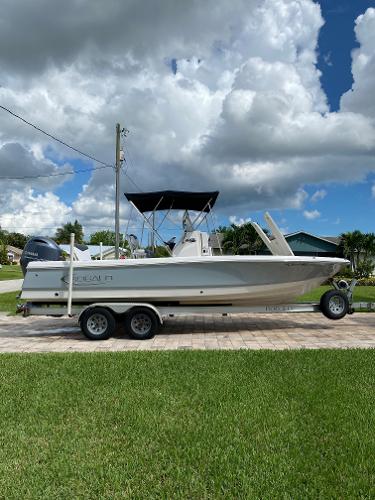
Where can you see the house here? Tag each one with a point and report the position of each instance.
(303, 243)
(14, 254)
(108, 252)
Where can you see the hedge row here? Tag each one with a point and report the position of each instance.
(360, 282)
(366, 281)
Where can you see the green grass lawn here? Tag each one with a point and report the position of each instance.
(10, 273)
(361, 294)
(8, 301)
(242, 424)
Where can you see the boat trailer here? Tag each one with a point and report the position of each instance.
(142, 321)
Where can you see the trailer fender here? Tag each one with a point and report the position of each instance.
(123, 307)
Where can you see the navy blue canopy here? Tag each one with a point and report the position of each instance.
(173, 200)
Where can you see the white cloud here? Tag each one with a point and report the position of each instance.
(311, 214)
(320, 194)
(360, 98)
(245, 112)
(238, 221)
(30, 213)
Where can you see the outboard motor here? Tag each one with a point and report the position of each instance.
(40, 248)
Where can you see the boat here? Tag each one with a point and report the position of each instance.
(191, 275)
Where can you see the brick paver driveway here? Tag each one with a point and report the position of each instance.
(241, 331)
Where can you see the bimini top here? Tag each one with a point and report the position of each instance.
(173, 200)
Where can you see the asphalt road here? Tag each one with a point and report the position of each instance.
(10, 286)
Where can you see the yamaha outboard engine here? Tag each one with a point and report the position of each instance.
(40, 248)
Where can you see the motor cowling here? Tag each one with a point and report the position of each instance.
(40, 248)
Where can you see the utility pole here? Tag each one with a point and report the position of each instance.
(152, 232)
(117, 209)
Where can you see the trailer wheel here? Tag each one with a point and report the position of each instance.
(97, 323)
(141, 323)
(334, 304)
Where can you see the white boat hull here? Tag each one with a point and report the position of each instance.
(231, 280)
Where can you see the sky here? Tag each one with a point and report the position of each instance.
(268, 101)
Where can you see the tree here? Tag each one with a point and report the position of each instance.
(222, 229)
(17, 240)
(241, 239)
(3, 254)
(63, 233)
(369, 246)
(359, 248)
(364, 269)
(3, 247)
(3, 236)
(158, 252)
(353, 243)
(106, 237)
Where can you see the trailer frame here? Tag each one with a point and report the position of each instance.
(112, 312)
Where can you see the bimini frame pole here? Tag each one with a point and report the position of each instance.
(208, 204)
(150, 226)
(70, 289)
(216, 232)
(152, 217)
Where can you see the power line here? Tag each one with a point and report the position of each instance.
(4, 226)
(104, 164)
(54, 137)
(131, 165)
(125, 170)
(132, 181)
(138, 228)
(45, 227)
(54, 175)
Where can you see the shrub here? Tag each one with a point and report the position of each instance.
(370, 281)
(3, 254)
(346, 273)
(366, 281)
(364, 269)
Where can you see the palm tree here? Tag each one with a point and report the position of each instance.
(241, 239)
(369, 245)
(353, 243)
(63, 233)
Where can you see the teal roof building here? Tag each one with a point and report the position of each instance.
(306, 244)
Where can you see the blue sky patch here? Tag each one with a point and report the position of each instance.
(336, 41)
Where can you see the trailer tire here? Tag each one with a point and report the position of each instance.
(141, 323)
(334, 304)
(97, 323)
